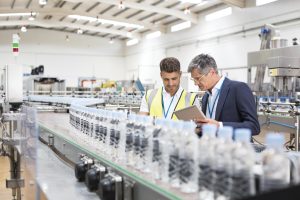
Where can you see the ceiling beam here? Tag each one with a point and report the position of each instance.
(150, 8)
(57, 24)
(238, 3)
(63, 12)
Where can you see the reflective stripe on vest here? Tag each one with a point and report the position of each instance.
(153, 98)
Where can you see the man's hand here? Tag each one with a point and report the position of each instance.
(207, 121)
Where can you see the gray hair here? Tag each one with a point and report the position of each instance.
(203, 63)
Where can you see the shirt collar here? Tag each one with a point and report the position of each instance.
(176, 94)
(217, 86)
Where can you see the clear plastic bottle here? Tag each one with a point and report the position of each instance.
(276, 165)
(243, 162)
(138, 125)
(188, 156)
(175, 128)
(120, 140)
(146, 149)
(206, 155)
(223, 163)
(110, 139)
(156, 150)
(129, 139)
(164, 145)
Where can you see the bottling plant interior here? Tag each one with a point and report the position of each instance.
(149, 99)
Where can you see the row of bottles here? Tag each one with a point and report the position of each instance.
(214, 166)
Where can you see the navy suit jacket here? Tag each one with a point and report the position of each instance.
(236, 106)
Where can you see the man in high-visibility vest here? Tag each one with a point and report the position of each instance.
(162, 102)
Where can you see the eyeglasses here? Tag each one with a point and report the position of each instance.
(198, 79)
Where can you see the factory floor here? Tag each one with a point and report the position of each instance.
(28, 193)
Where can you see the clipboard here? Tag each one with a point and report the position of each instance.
(190, 113)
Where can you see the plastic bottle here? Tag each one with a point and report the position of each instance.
(164, 145)
(146, 149)
(206, 153)
(188, 156)
(276, 165)
(223, 163)
(175, 128)
(129, 139)
(156, 150)
(137, 131)
(243, 162)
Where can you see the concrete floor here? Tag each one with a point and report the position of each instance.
(28, 193)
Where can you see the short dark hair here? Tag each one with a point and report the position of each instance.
(170, 64)
(203, 63)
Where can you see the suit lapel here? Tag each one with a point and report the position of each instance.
(222, 97)
(204, 103)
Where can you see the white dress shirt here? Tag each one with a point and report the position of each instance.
(213, 99)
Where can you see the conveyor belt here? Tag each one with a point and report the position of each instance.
(57, 124)
(57, 180)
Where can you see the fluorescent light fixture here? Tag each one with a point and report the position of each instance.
(31, 18)
(263, 2)
(153, 35)
(23, 29)
(132, 42)
(79, 31)
(17, 14)
(67, 38)
(43, 2)
(219, 14)
(181, 26)
(187, 11)
(105, 21)
(192, 1)
(129, 34)
(121, 5)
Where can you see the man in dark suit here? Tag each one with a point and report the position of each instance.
(226, 102)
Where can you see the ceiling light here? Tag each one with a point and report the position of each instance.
(192, 1)
(43, 2)
(79, 31)
(129, 34)
(17, 14)
(132, 42)
(111, 41)
(121, 5)
(181, 26)
(187, 11)
(219, 14)
(31, 18)
(263, 2)
(153, 35)
(105, 21)
(67, 38)
(23, 29)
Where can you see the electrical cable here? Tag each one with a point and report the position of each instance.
(255, 140)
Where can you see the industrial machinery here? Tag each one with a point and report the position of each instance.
(276, 82)
(41, 84)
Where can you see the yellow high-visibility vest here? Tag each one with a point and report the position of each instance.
(153, 99)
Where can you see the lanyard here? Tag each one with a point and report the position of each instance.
(210, 111)
(163, 107)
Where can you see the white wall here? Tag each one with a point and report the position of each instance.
(223, 38)
(81, 56)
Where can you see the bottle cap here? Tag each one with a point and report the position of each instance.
(225, 132)
(242, 135)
